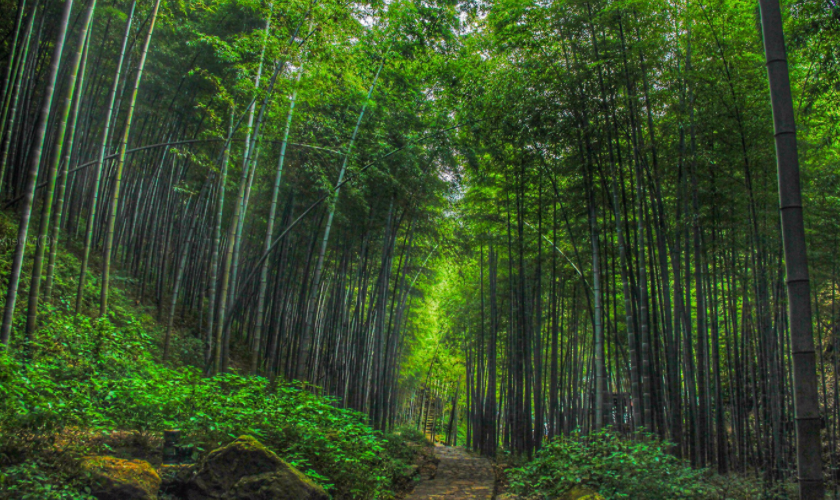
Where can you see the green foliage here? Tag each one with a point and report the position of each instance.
(616, 467)
(621, 468)
(36, 481)
(396, 450)
(412, 434)
(89, 374)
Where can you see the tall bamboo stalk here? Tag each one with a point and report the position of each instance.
(32, 176)
(103, 147)
(806, 401)
(269, 232)
(52, 174)
(305, 341)
(65, 165)
(115, 196)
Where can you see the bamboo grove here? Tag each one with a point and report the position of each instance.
(621, 258)
(522, 218)
(257, 172)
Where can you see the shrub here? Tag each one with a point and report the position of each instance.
(621, 468)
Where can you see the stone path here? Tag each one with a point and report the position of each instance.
(460, 476)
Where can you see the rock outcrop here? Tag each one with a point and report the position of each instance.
(246, 470)
(117, 479)
(284, 484)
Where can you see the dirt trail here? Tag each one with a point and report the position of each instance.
(460, 476)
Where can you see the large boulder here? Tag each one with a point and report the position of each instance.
(117, 479)
(245, 469)
(287, 484)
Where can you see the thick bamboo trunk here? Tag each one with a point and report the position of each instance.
(806, 404)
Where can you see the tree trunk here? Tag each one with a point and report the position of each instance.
(269, 234)
(806, 403)
(115, 196)
(64, 164)
(32, 176)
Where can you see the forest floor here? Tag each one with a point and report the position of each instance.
(460, 476)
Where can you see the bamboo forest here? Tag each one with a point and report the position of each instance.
(419, 249)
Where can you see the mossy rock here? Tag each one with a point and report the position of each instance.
(117, 479)
(225, 466)
(582, 493)
(246, 469)
(286, 484)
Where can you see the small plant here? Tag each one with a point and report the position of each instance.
(37, 481)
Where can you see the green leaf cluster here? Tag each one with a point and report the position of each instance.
(618, 467)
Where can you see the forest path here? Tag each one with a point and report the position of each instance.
(460, 476)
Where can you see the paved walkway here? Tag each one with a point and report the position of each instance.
(460, 476)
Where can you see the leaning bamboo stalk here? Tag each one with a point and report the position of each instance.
(115, 196)
(251, 156)
(98, 176)
(234, 232)
(36, 150)
(84, 41)
(269, 233)
(304, 347)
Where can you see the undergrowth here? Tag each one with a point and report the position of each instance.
(81, 386)
(621, 468)
(83, 373)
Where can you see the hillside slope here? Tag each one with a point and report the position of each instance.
(85, 385)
